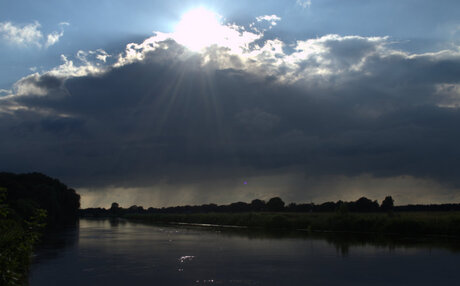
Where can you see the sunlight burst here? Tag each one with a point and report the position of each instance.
(199, 28)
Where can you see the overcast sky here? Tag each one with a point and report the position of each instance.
(183, 102)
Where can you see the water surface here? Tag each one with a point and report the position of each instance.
(103, 252)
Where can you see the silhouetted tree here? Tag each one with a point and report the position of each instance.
(115, 209)
(135, 209)
(292, 207)
(342, 207)
(239, 207)
(257, 205)
(387, 204)
(207, 208)
(326, 207)
(365, 205)
(275, 204)
(27, 192)
(305, 207)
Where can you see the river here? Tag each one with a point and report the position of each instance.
(119, 252)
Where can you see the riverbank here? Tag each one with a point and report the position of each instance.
(17, 239)
(411, 223)
(30, 205)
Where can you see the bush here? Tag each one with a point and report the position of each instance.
(17, 238)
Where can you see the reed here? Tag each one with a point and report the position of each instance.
(414, 223)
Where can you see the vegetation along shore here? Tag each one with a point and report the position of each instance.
(30, 204)
(363, 215)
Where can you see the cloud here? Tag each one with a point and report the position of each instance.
(272, 19)
(257, 120)
(69, 69)
(53, 38)
(449, 94)
(5, 91)
(29, 34)
(164, 121)
(101, 55)
(303, 3)
(291, 186)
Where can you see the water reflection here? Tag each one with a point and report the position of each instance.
(54, 243)
(344, 241)
(118, 252)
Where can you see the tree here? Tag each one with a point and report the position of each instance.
(135, 209)
(115, 209)
(327, 207)
(342, 208)
(257, 205)
(387, 204)
(3, 207)
(275, 204)
(27, 192)
(114, 206)
(292, 207)
(364, 204)
(239, 207)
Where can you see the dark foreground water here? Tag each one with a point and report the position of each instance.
(103, 252)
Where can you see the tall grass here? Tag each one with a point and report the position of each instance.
(442, 223)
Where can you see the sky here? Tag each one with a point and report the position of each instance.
(163, 103)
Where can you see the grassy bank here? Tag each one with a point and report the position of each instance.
(413, 223)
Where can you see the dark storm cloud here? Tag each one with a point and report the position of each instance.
(376, 111)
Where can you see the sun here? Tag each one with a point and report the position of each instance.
(198, 29)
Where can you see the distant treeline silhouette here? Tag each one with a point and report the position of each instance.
(275, 204)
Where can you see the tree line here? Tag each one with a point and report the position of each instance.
(275, 204)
